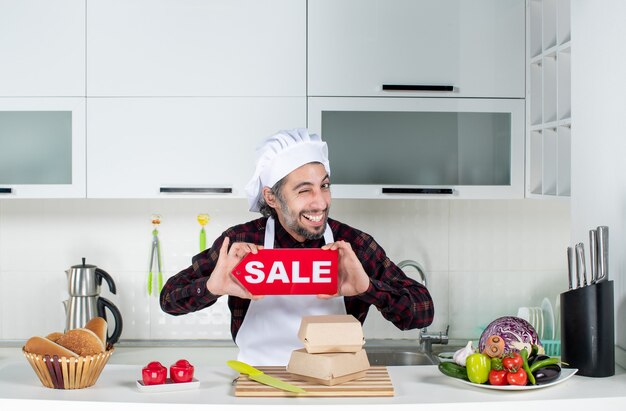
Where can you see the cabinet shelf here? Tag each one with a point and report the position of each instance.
(550, 161)
(566, 122)
(549, 87)
(564, 85)
(549, 24)
(563, 47)
(549, 98)
(564, 152)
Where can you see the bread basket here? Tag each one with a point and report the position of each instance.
(68, 373)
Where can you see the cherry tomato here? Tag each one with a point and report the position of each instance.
(154, 373)
(181, 371)
(517, 378)
(513, 362)
(498, 377)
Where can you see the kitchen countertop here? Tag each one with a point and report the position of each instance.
(417, 387)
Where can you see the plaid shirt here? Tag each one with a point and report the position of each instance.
(400, 299)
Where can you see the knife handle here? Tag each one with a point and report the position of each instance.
(571, 267)
(593, 256)
(603, 253)
(243, 368)
(580, 264)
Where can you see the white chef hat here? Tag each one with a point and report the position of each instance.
(279, 155)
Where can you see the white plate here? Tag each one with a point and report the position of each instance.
(566, 374)
(446, 356)
(540, 322)
(524, 313)
(548, 316)
(169, 386)
(557, 318)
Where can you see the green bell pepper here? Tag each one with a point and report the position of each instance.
(496, 364)
(478, 366)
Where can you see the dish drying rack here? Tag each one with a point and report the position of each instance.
(545, 320)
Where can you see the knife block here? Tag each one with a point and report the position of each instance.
(588, 329)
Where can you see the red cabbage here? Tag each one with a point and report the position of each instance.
(513, 330)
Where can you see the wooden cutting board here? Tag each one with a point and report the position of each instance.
(376, 383)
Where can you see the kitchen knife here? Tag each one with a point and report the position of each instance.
(260, 376)
(603, 253)
(571, 268)
(580, 265)
(593, 256)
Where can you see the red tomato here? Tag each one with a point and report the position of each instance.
(512, 362)
(154, 373)
(181, 371)
(517, 378)
(498, 377)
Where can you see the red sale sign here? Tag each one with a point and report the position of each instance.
(284, 271)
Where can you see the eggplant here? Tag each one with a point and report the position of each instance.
(547, 374)
(537, 357)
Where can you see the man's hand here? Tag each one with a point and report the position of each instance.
(353, 280)
(221, 281)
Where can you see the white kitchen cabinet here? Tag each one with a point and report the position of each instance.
(42, 44)
(170, 147)
(196, 48)
(477, 48)
(405, 148)
(42, 147)
(549, 109)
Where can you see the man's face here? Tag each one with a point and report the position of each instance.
(304, 201)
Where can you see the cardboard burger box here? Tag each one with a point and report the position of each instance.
(333, 350)
(328, 368)
(331, 333)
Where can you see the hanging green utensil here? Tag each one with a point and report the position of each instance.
(160, 278)
(203, 219)
(155, 255)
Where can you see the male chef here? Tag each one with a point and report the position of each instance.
(291, 189)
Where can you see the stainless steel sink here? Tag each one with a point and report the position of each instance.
(395, 356)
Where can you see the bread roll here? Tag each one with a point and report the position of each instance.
(82, 341)
(99, 327)
(54, 336)
(43, 346)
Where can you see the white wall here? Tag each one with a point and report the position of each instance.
(483, 259)
(599, 136)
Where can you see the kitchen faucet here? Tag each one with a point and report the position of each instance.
(426, 340)
(417, 266)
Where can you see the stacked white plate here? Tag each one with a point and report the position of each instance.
(541, 318)
(557, 318)
(550, 320)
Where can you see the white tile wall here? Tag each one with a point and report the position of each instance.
(483, 259)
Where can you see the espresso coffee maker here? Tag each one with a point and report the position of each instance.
(85, 303)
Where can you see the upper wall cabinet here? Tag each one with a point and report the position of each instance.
(42, 147)
(196, 48)
(42, 48)
(443, 48)
(422, 147)
(169, 147)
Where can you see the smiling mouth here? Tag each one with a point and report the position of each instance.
(314, 218)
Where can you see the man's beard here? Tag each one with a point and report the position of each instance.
(293, 224)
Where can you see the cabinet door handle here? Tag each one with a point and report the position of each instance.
(6, 190)
(417, 87)
(197, 190)
(397, 190)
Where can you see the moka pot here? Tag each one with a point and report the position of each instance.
(84, 280)
(85, 303)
